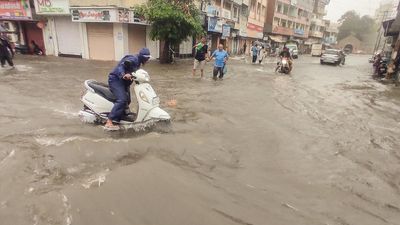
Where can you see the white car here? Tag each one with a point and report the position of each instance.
(332, 56)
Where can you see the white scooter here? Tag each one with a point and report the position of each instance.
(98, 101)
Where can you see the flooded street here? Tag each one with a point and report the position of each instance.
(321, 146)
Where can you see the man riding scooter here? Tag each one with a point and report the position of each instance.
(120, 80)
(286, 54)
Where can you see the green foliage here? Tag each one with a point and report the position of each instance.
(353, 24)
(172, 21)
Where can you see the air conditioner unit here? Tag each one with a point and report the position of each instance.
(215, 12)
(12, 37)
(10, 26)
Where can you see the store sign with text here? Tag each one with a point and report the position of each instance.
(15, 10)
(226, 30)
(106, 15)
(94, 15)
(214, 25)
(254, 27)
(299, 31)
(52, 7)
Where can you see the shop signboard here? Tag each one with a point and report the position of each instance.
(94, 15)
(214, 25)
(299, 31)
(52, 7)
(15, 10)
(226, 30)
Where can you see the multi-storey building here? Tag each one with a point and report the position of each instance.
(331, 33)
(318, 25)
(288, 20)
(256, 19)
(235, 22)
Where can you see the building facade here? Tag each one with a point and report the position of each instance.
(318, 24)
(62, 37)
(288, 20)
(331, 33)
(20, 24)
(227, 23)
(110, 29)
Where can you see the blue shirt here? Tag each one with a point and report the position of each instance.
(219, 57)
(254, 50)
(121, 69)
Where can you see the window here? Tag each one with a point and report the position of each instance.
(290, 23)
(276, 21)
(263, 11)
(259, 9)
(286, 9)
(283, 23)
(253, 5)
(279, 8)
(227, 6)
(235, 12)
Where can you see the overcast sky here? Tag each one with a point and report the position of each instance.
(337, 8)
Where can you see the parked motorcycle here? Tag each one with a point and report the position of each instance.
(381, 67)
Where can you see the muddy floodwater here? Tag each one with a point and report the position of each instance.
(321, 146)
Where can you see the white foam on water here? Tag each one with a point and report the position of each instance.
(6, 159)
(96, 180)
(67, 206)
(49, 141)
(23, 68)
(53, 141)
(68, 114)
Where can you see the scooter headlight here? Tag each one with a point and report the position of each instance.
(147, 78)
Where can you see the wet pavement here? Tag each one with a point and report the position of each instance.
(320, 146)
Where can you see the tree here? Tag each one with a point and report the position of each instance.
(173, 21)
(353, 24)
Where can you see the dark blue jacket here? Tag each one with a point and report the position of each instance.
(128, 64)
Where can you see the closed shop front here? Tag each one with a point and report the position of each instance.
(17, 24)
(100, 41)
(137, 37)
(68, 36)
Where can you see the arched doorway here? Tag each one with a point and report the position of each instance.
(348, 48)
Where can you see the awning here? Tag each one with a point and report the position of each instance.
(277, 39)
(389, 29)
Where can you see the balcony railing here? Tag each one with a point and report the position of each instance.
(317, 34)
(318, 22)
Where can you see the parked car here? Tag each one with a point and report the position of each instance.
(332, 56)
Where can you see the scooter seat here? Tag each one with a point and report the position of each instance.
(103, 90)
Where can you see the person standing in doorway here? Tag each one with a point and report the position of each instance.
(254, 53)
(221, 56)
(244, 48)
(6, 52)
(201, 54)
